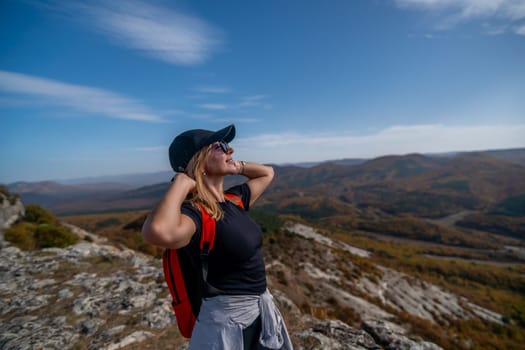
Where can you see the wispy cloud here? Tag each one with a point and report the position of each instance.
(212, 89)
(81, 98)
(245, 120)
(246, 102)
(495, 29)
(214, 106)
(433, 138)
(173, 112)
(155, 30)
(520, 29)
(454, 12)
(252, 101)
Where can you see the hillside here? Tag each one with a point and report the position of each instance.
(94, 295)
(412, 184)
(56, 196)
(400, 196)
(98, 294)
(412, 187)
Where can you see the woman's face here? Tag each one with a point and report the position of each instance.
(219, 160)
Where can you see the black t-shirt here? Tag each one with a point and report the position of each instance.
(236, 264)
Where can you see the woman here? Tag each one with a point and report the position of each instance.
(243, 315)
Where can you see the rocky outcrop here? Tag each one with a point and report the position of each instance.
(392, 288)
(375, 335)
(96, 296)
(310, 233)
(334, 334)
(11, 209)
(392, 337)
(90, 295)
(86, 294)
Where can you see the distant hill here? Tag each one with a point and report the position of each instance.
(55, 188)
(56, 197)
(135, 180)
(345, 161)
(413, 184)
(386, 194)
(514, 155)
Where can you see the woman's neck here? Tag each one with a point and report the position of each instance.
(215, 185)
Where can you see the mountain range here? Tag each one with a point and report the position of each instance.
(418, 185)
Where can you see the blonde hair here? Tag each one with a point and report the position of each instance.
(201, 194)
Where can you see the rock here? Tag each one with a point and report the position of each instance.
(391, 336)
(63, 299)
(422, 299)
(90, 326)
(160, 316)
(10, 212)
(382, 331)
(30, 332)
(111, 332)
(334, 334)
(310, 233)
(64, 294)
(135, 337)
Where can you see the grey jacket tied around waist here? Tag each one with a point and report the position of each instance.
(223, 318)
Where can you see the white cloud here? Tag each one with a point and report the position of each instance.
(81, 98)
(155, 30)
(433, 138)
(247, 120)
(236, 120)
(213, 89)
(492, 29)
(453, 12)
(252, 101)
(520, 30)
(214, 106)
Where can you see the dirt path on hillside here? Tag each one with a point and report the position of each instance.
(451, 220)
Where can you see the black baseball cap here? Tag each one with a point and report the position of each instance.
(187, 144)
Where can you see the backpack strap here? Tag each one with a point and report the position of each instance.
(207, 230)
(207, 242)
(235, 199)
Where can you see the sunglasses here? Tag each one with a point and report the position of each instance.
(222, 145)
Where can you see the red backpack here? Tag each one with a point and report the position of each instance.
(188, 282)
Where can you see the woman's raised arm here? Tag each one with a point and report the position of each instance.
(166, 226)
(259, 177)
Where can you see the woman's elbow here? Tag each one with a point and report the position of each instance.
(150, 233)
(158, 235)
(270, 173)
(154, 232)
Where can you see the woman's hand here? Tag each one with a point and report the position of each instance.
(239, 167)
(187, 180)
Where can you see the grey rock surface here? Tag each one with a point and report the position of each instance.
(96, 296)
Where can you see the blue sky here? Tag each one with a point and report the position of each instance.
(90, 88)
